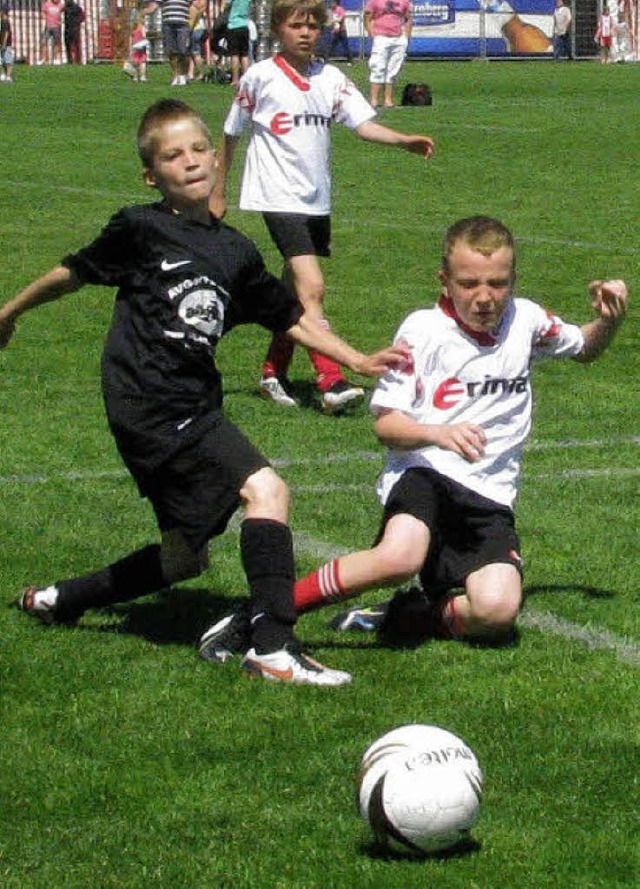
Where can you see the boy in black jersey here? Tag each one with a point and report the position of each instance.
(184, 279)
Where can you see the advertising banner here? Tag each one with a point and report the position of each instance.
(470, 28)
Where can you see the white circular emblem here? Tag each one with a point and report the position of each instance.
(204, 310)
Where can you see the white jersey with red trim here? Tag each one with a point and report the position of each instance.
(456, 376)
(287, 164)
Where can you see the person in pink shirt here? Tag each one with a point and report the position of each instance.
(388, 23)
(52, 33)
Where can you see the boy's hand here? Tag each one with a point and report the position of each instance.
(465, 439)
(381, 362)
(609, 298)
(421, 145)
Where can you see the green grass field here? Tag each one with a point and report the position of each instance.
(125, 761)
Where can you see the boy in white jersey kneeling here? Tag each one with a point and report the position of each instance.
(455, 420)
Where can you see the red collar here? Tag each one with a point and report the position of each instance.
(294, 76)
(483, 338)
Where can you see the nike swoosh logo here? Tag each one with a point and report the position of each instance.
(167, 266)
(283, 675)
(257, 669)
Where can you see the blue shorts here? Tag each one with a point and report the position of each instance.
(197, 36)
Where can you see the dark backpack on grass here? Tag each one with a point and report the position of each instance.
(417, 94)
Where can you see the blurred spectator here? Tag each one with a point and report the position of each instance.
(176, 35)
(562, 31)
(6, 46)
(136, 67)
(388, 23)
(51, 12)
(338, 18)
(73, 19)
(238, 38)
(198, 25)
(604, 35)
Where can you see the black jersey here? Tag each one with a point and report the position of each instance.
(181, 286)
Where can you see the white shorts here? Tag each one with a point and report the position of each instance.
(387, 56)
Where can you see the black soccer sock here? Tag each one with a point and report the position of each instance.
(136, 575)
(266, 548)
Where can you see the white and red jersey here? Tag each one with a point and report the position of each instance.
(287, 164)
(457, 376)
(605, 26)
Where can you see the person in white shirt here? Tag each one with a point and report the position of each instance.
(562, 31)
(455, 421)
(604, 35)
(290, 101)
(455, 418)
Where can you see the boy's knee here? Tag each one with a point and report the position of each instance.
(265, 494)
(399, 563)
(497, 610)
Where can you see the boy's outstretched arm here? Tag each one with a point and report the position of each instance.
(609, 300)
(311, 335)
(370, 131)
(218, 199)
(53, 285)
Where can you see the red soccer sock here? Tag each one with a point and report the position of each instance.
(328, 372)
(279, 356)
(319, 588)
(448, 623)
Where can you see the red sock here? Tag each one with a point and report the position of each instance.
(319, 588)
(448, 623)
(278, 359)
(328, 371)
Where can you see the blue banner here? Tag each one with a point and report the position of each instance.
(468, 28)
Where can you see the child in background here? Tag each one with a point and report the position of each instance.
(139, 50)
(6, 46)
(291, 101)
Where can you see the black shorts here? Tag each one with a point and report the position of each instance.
(468, 531)
(237, 41)
(295, 234)
(176, 38)
(197, 489)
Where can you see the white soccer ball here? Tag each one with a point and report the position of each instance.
(420, 789)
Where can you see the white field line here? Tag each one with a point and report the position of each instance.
(595, 638)
(626, 650)
(360, 456)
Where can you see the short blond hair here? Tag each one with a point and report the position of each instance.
(282, 9)
(156, 117)
(482, 234)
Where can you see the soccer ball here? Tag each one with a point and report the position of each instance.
(420, 789)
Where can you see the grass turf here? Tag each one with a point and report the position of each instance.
(125, 761)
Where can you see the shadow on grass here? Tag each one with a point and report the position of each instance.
(175, 616)
(463, 849)
(589, 592)
(180, 616)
